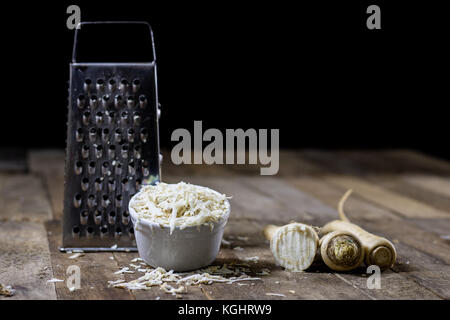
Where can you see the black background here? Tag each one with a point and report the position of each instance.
(313, 70)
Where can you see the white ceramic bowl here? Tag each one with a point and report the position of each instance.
(185, 249)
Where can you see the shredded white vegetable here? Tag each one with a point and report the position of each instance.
(180, 205)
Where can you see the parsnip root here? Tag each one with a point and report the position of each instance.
(293, 246)
(377, 250)
(341, 251)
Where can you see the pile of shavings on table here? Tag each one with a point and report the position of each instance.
(160, 277)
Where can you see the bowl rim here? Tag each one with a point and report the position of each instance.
(149, 223)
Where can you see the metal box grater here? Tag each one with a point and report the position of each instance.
(112, 146)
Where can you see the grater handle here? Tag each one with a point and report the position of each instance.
(76, 43)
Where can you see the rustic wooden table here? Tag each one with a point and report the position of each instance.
(400, 194)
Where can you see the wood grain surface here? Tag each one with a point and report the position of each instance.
(402, 195)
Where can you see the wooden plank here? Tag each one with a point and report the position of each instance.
(25, 260)
(22, 198)
(342, 172)
(390, 173)
(420, 160)
(49, 164)
(13, 160)
(96, 269)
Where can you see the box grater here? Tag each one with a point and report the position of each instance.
(112, 136)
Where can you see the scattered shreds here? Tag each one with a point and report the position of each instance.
(124, 270)
(225, 242)
(137, 259)
(160, 277)
(254, 259)
(264, 272)
(275, 294)
(174, 291)
(6, 291)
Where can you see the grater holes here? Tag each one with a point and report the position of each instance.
(144, 134)
(97, 217)
(136, 85)
(118, 101)
(84, 215)
(124, 151)
(92, 134)
(99, 151)
(137, 118)
(145, 170)
(118, 233)
(105, 201)
(98, 184)
(123, 85)
(84, 184)
(119, 168)
(93, 101)
(137, 151)
(87, 84)
(105, 100)
(78, 167)
(91, 201)
(105, 134)
(77, 200)
(76, 232)
(112, 217)
(103, 231)
(91, 167)
(111, 84)
(125, 217)
(111, 185)
(98, 118)
(131, 168)
(125, 185)
(81, 101)
(111, 115)
(105, 167)
(85, 151)
(142, 101)
(79, 135)
(131, 232)
(118, 135)
(111, 151)
(119, 201)
(86, 117)
(130, 101)
(138, 184)
(124, 118)
(89, 232)
(130, 135)
(100, 84)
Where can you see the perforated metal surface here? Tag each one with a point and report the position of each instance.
(112, 149)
